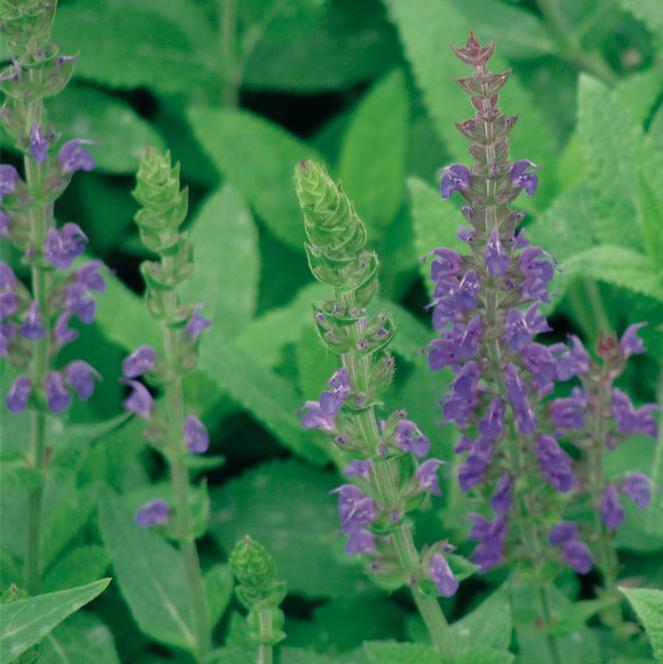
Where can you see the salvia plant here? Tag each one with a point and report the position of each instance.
(368, 457)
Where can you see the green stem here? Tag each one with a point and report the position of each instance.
(180, 482)
(229, 64)
(264, 650)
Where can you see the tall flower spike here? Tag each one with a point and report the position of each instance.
(382, 456)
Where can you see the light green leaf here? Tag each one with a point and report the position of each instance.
(258, 157)
(82, 639)
(76, 567)
(619, 266)
(150, 574)
(651, 206)
(218, 583)
(131, 45)
(606, 129)
(640, 91)
(315, 363)
(648, 604)
(426, 29)
(649, 12)
(226, 267)
(412, 335)
(385, 652)
(286, 506)
(25, 622)
(489, 624)
(372, 161)
(118, 133)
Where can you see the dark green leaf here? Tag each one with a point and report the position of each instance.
(648, 604)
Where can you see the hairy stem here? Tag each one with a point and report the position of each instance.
(264, 650)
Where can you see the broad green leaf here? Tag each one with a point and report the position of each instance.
(226, 261)
(258, 158)
(613, 144)
(640, 91)
(25, 622)
(118, 133)
(136, 44)
(286, 505)
(150, 573)
(315, 363)
(385, 652)
(218, 582)
(648, 604)
(489, 624)
(651, 206)
(620, 266)
(372, 161)
(76, 567)
(435, 224)
(649, 12)
(412, 336)
(426, 29)
(82, 639)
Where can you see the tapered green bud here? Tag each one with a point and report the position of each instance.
(26, 24)
(252, 564)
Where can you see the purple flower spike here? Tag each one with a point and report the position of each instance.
(426, 476)
(140, 401)
(8, 180)
(612, 512)
(456, 177)
(38, 144)
(195, 435)
(523, 176)
(636, 487)
(577, 556)
(496, 258)
(442, 576)
(563, 532)
(410, 439)
(17, 398)
(153, 513)
(80, 376)
(141, 361)
(362, 541)
(630, 343)
(196, 323)
(74, 157)
(500, 501)
(57, 396)
(32, 328)
(631, 421)
(555, 463)
(358, 468)
(60, 249)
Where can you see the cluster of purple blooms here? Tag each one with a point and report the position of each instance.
(70, 295)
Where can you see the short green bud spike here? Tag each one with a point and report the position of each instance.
(26, 24)
(252, 564)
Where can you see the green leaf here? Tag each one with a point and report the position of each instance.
(426, 28)
(613, 143)
(118, 133)
(286, 506)
(648, 604)
(258, 157)
(651, 206)
(218, 583)
(162, 57)
(25, 622)
(379, 126)
(76, 567)
(225, 242)
(435, 224)
(640, 91)
(649, 12)
(384, 652)
(82, 639)
(619, 266)
(489, 624)
(150, 573)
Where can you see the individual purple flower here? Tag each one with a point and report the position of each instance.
(18, 395)
(74, 157)
(455, 177)
(196, 323)
(61, 248)
(555, 463)
(142, 360)
(7, 277)
(447, 263)
(79, 302)
(491, 426)
(497, 260)
(140, 401)
(321, 414)
(500, 501)
(361, 541)
(519, 328)
(57, 395)
(8, 180)
(541, 364)
(195, 435)
(358, 468)
(88, 275)
(38, 144)
(410, 439)
(631, 421)
(523, 176)
(8, 304)
(636, 487)
(525, 419)
(355, 509)
(153, 513)
(577, 556)
(612, 512)
(537, 272)
(32, 328)
(442, 576)
(5, 223)
(490, 535)
(573, 361)
(473, 470)
(80, 376)
(340, 383)
(563, 532)
(569, 412)
(630, 343)
(426, 476)
(63, 333)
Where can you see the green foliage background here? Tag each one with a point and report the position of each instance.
(240, 90)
